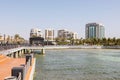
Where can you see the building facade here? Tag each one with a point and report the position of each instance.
(35, 32)
(5, 39)
(36, 41)
(61, 33)
(75, 35)
(67, 34)
(36, 37)
(1, 39)
(94, 30)
(49, 34)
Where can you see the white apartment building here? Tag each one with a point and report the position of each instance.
(75, 35)
(35, 32)
(1, 38)
(49, 34)
(63, 33)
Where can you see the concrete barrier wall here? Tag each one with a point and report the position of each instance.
(32, 71)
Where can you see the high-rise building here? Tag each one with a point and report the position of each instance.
(49, 34)
(1, 39)
(35, 32)
(94, 30)
(67, 34)
(36, 37)
(75, 35)
(61, 33)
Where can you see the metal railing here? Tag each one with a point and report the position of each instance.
(6, 47)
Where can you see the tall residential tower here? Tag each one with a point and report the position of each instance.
(49, 34)
(63, 33)
(36, 37)
(94, 30)
(35, 32)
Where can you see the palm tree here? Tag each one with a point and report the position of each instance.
(103, 41)
(118, 41)
(18, 39)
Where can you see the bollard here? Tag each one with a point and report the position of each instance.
(16, 70)
(42, 51)
(29, 57)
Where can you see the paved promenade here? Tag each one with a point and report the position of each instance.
(7, 63)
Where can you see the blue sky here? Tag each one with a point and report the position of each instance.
(19, 16)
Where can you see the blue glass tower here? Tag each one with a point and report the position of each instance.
(94, 30)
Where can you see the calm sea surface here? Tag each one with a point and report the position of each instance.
(82, 64)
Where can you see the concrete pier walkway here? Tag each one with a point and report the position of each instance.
(7, 63)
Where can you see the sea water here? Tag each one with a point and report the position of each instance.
(78, 64)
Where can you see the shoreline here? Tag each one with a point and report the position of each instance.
(64, 47)
(78, 47)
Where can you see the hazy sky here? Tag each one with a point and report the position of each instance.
(19, 16)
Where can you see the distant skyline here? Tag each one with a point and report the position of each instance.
(19, 16)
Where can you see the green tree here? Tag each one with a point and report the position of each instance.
(18, 39)
(118, 41)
